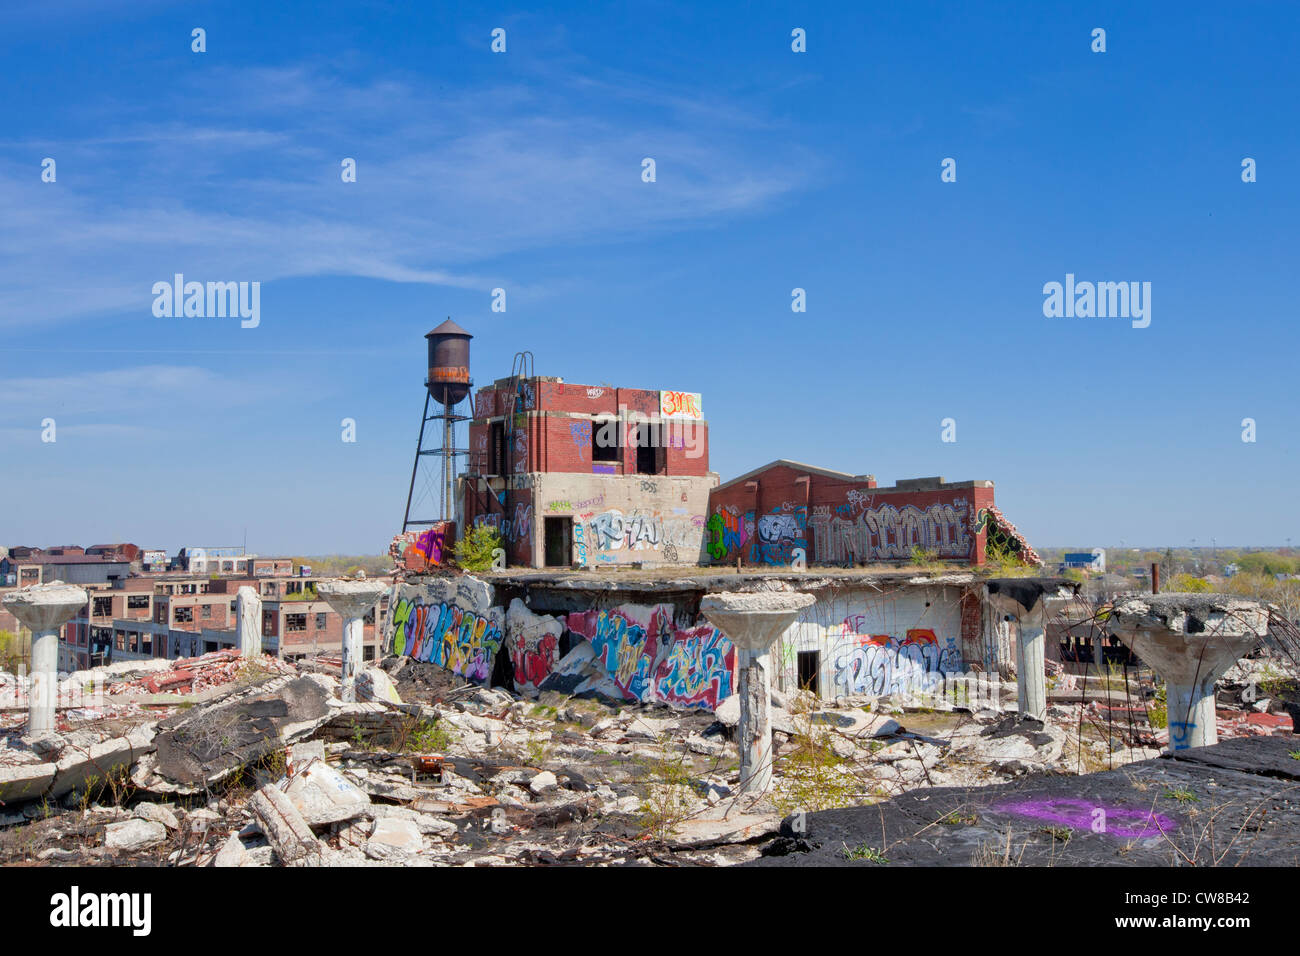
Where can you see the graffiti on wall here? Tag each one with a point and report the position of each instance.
(447, 626)
(728, 532)
(880, 664)
(419, 550)
(517, 529)
(857, 531)
(649, 659)
(778, 534)
(612, 531)
(697, 669)
(533, 642)
(680, 405)
(581, 434)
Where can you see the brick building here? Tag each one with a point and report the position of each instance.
(582, 475)
(769, 514)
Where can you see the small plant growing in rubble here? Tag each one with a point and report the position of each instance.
(862, 853)
(1294, 755)
(1274, 681)
(1158, 709)
(537, 752)
(1182, 795)
(474, 551)
(666, 789)
(1059, 834)
(429, 737)
(813, 776)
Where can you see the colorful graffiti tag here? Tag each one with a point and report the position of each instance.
(881, 665)
(680, 405)
(727, 532)
(859, 532)
(649, 659)
(419, 550)
(697, 669)
(779, 534)
(615, 530)
(456, 638)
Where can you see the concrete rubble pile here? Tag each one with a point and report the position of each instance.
(280, 771)
(230, 763)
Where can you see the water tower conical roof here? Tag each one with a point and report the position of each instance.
(448, 328)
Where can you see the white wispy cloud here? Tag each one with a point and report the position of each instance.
(242, 183)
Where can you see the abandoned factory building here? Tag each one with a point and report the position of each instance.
(582, 475)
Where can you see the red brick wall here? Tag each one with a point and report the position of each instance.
(559, 443)
(852, 517)
(514, 520)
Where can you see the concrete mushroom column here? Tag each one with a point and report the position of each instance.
(1031, 666)
(43, 609)
(351, 599)
(1190, 640)
(248, 622)
(752, 622)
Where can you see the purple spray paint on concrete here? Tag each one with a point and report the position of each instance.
(1119, 821)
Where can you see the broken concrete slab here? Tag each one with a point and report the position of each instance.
(394, 838)
(158, 813)
(323, 795)
(199, 748)
(25, 781)
(133, 835)
(374, 684)
(285, 828)
(93, 764)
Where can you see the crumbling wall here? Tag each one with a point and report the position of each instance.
(649, 658)
(533, 642)
(447, 621)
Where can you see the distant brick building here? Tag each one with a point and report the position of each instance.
(585, 475)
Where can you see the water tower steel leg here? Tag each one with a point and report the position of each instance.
(419, 443)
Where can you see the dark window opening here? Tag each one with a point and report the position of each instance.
(295, 622)
(651, 454)
(497, 448)
(606, 440)
(558, 534)
(103, 607)
(137, 601)
(809, 664)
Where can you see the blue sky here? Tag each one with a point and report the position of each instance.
(775, 170)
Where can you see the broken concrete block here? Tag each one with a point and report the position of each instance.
(82, 765)
(26, 781)
(130, 836)
(543, 782)
(323, 795)
(374, 684)
(158, 813)
(232, 853)
(285, 828)
(393, 837)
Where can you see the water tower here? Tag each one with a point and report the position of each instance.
(448, 384)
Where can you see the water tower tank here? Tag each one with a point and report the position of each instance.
(449, 363)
